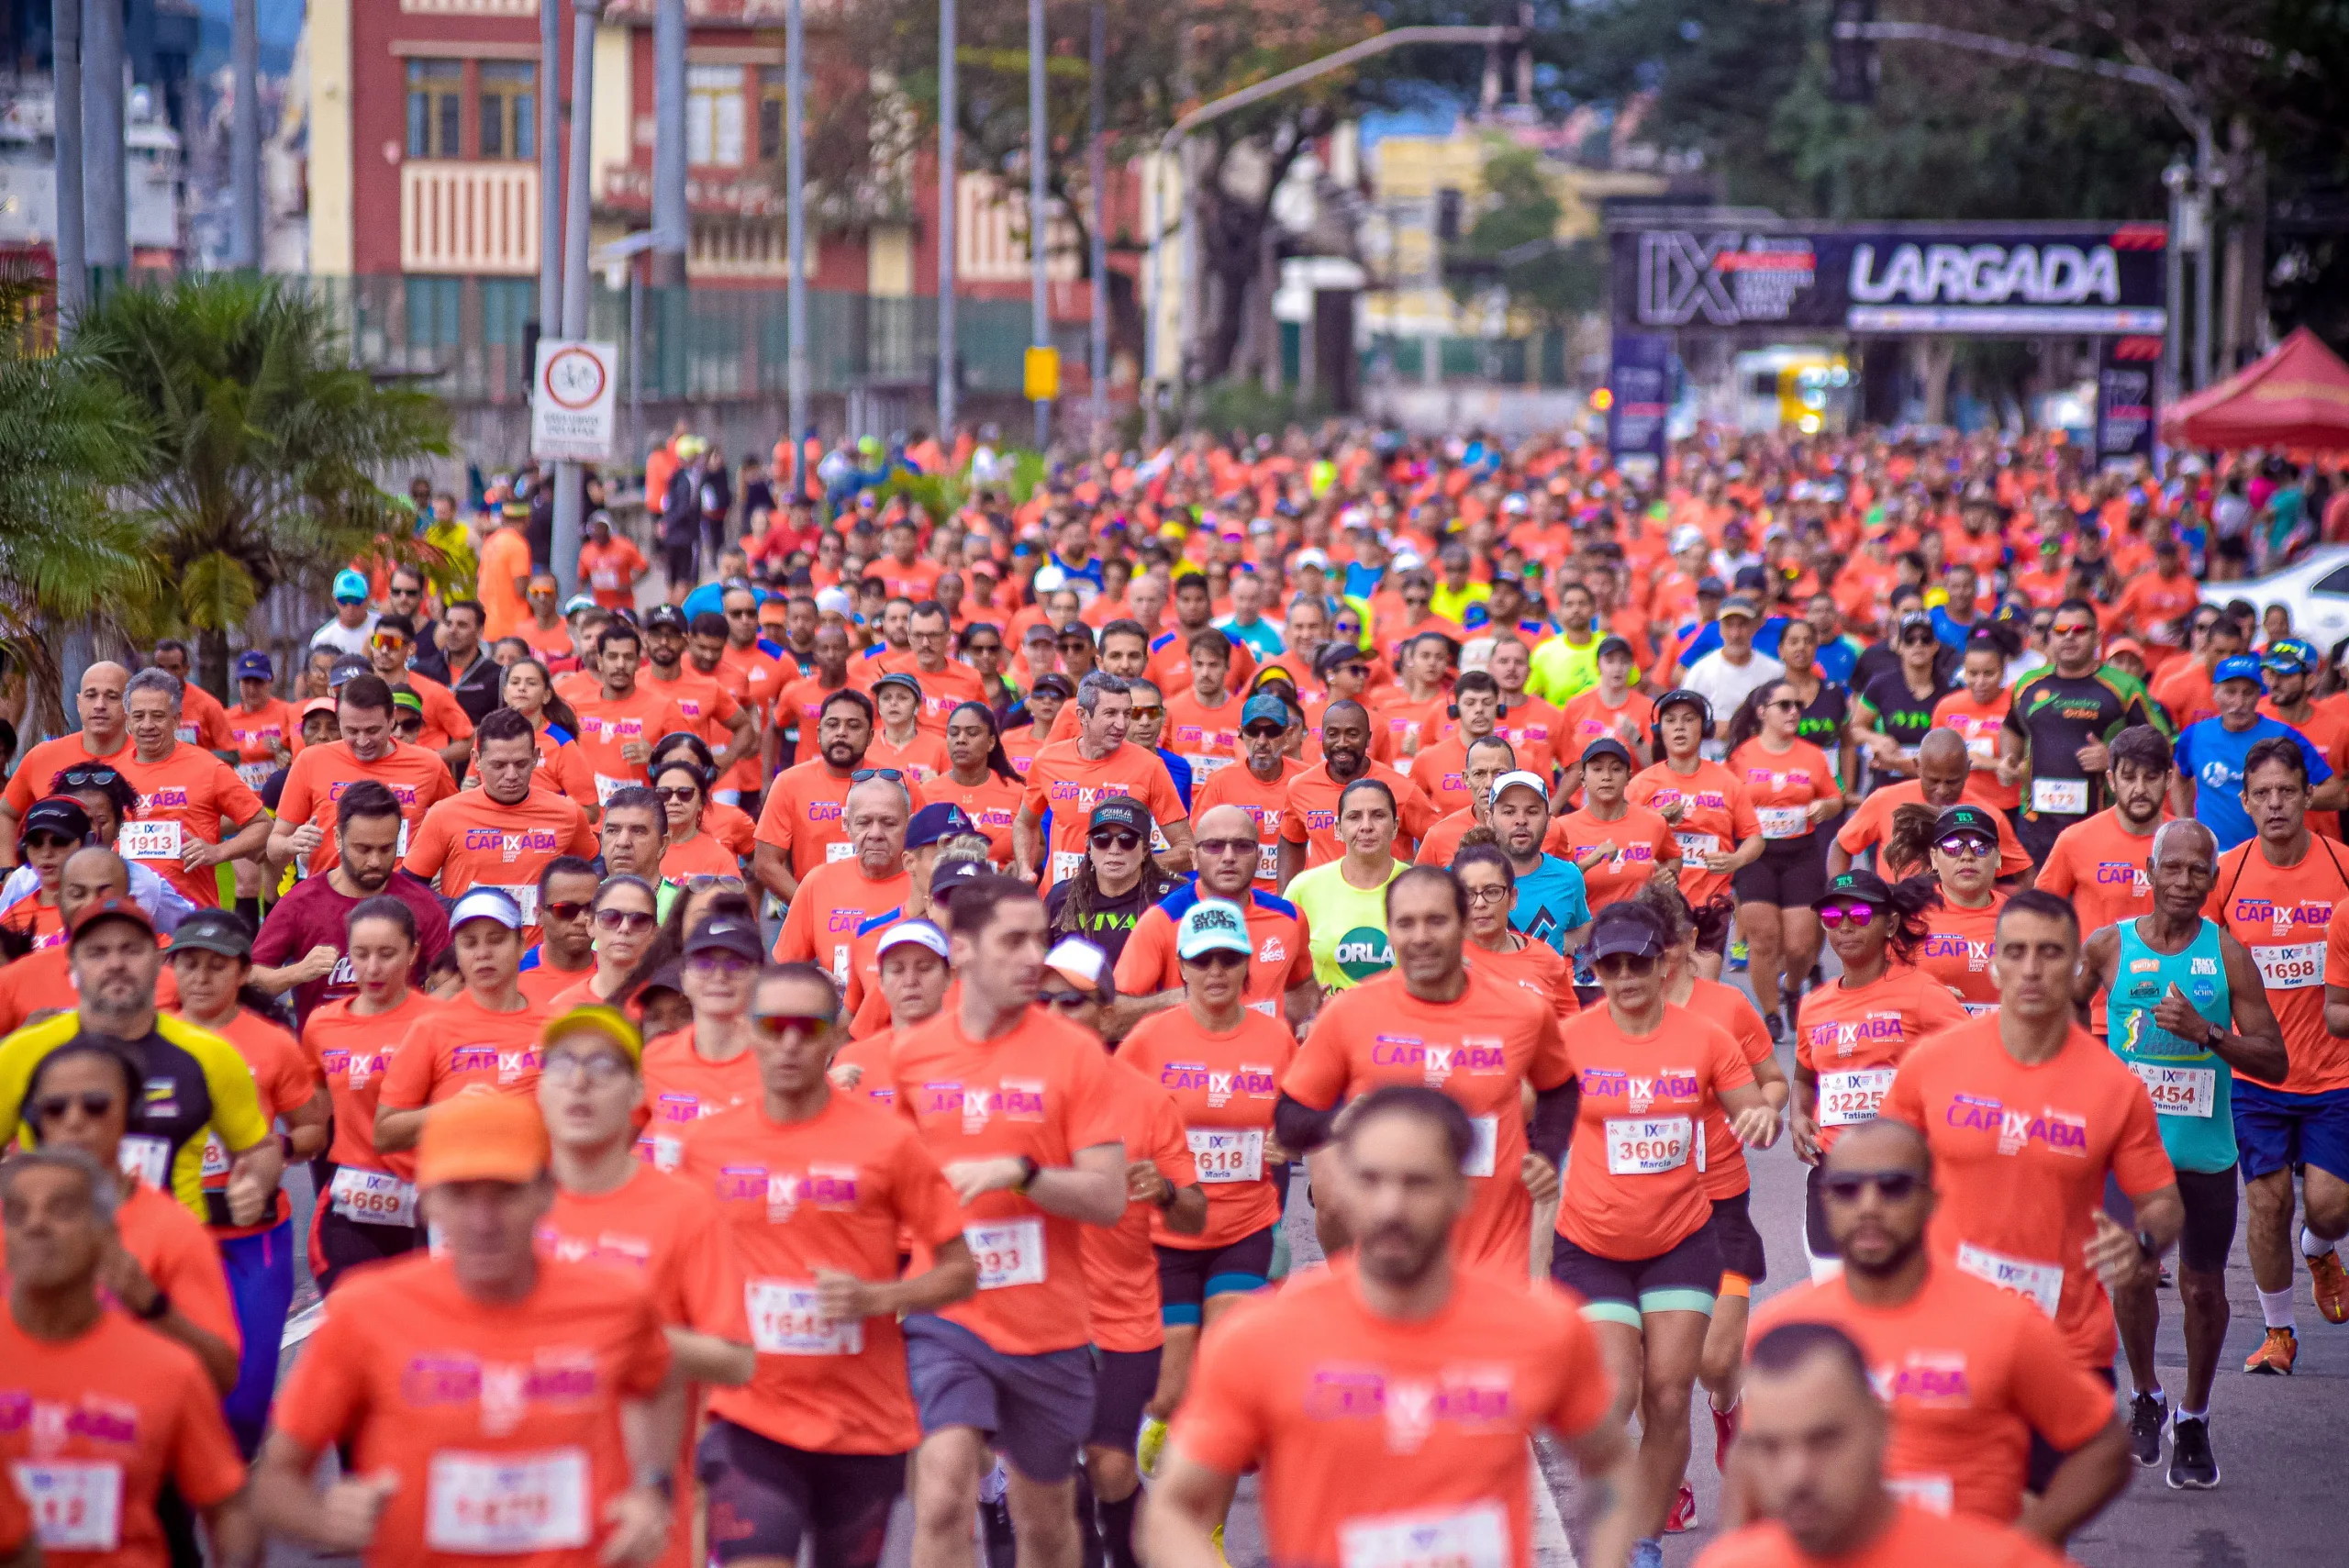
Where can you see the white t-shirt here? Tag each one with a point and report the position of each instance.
(1725, 685)
(345, 638)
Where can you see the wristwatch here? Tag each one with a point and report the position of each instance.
(1166, 1200)
(2149, 1247)
(661, 1481)
(1029, 1172)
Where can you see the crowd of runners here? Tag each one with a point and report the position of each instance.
(861, 1036)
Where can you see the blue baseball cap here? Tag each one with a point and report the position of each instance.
(253, 665)
(2239, 667)
(2290, 653)
(349, 587)
(942, 819)
(1267, 709)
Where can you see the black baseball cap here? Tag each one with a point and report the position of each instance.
(1964, 818)
(952, 874)
(1608, 746)
(1680, 695)
(898, 678)
(666, 617)
(1337, 656)
(213, 930)
(1120, 811)
(726, 933)
(1612, 644)
(1625, 929)
(1858, 886)
(59, 814)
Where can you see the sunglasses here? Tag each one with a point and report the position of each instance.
(1617, 965)
(387, 640)
(95, 1103)
(864, 775)
(701, 882)
(782, 1025)
(985, 648)
(1220, 958)
(1063, 1001)
(50, 842)
(408, 721)
(88, 778)
(1153, 711)
(1959, 845)
(1226, 846)
(1895, 1186)
(680, 794)
(1917, 638)
(598, 1071)
(1115, 841)
(565, 909)
(719, 963)
(1785, 703)
(1835, 915)
(625, 920)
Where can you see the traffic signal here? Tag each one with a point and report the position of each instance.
(1852, 65)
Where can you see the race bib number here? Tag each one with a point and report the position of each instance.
(1475, 1537)
(402, 848)
(1486, 1139)
(2061, 798)
(373, 1197)
(1268, 861)
(216, 1159)
(785, 1322)
(1846, 1099)
(148, 1159)
(76, 1505)
(2294, 967)
(609, 582)
(2041, 1283)
(1647, 1145)
(1065, 864)
(499, 1503)
(148, 841)
(1694, 844)
(1983, 749)
(835, 853)
(1226, 1154)
(1010, 1252)
(2180, 1091)
(607, 787)
(253, 775)
(526, 898)
(1978, 1009)
(1783, 821)
(1934, 1494)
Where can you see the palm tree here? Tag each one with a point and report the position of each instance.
(66, 553)
(261, 447)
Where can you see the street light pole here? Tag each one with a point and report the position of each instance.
(1098, 176)
(672, 223)
(1038, 150)
(570, 480)
(244, 138)
(795, 160)
(949, 186)
(550, 123)
(72, 254)
(105, 229)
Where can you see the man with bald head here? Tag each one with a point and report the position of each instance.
(1818, 1462)
(1280, 968)
(42, 981)
(104, 737)
(2187, 1008)
(1973, 1372)
(838, 897)
(1944, 767)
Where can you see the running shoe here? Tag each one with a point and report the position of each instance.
(1683, 1518)
(2275, 1354)
(1149, 1446)
(1218, 1538)
(2331, 1284)
(996, 1537)
(1725, 1434)
(2192, 1466)
(1778, 1028)
(1647, 1552)
(2148, 1414)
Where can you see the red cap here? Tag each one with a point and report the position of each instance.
(113, 906)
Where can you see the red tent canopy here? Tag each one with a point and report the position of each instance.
(2295, 395)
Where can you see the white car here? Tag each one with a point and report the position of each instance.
(2315, 589)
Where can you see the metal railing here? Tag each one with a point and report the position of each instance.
(463, 338)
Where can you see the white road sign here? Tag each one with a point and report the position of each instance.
(574, 401)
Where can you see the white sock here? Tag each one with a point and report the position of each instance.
(2276, 1308)
(2203, 1415)
(2310, 1247)
(2154, 1392)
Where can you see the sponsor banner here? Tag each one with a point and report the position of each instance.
(2126, 376)
(1640, 375)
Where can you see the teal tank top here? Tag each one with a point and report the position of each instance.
(2193, 1090)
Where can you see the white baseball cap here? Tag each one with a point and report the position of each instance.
(1519, 777)
(912, 933)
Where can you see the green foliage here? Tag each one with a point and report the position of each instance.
(1242, 403)
(258, 445)
(1513, 245)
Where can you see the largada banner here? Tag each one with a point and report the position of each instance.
(2018, 280)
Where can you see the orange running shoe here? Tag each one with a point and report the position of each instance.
(2275, 1355)
(2330, 1283)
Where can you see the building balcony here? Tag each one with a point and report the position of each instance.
(479, 218)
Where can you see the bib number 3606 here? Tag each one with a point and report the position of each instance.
(1647, 1146)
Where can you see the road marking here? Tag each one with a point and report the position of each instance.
(1551, 1547)
(302, 1325)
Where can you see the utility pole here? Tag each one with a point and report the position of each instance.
(550, 133)
(1040, 331)
(570, 481)
(670, 231)
(106, 223)
(794, 145)
(949, 186)
(244, 139)
(1098, 176)
(72, 254)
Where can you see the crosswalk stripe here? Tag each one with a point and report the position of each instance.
(1551, 1549)
(302, 1325)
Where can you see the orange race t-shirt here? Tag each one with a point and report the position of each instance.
(1635, 1181)
(1068, 786)
(1120, 1265)
(607, 725)
(43, 979)
(1958, 946)
(189, 795)
(1312, 816)
(419, 779)
(1644, 844)
(682, 1087)
(1305, 1385)
(1479, 1050)
(1724, 1167)
(992, 805)
(1970, 1372)
(502, 1422)
(920, 757)
(2098, 867)
(704, 699)
(1266, 803)
(1716, 817)
(1782, 784)
(806, 815)
(2020, 1157)
(820, 927)
(286, 1079)
(1980, 724)
(1870, 824)
(1917, 1538)
(1223, 1088)
(2286, 915)
(45, 761)
(96, 1425)
(1532, 965)
(462, 1048)
(1851, 1038)
(1039, 1090)
(259, 732)
(1277, 934)
(470, 840)
(354, 1051)
(178, 1252)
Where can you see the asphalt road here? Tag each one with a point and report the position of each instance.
(2277, 1438)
